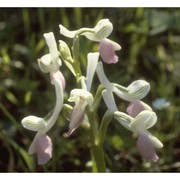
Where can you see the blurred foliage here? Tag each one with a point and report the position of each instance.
(150, 40)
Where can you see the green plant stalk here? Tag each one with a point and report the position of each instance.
(103, 127)
(76, 53)
(97, 152)
(76, 64)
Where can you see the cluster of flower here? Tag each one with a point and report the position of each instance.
(139, 116)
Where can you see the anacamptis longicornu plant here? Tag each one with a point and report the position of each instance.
(138, 118)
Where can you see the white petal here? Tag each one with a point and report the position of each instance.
(138, 85)
(51, 42)
(135, 91)
(59, 102)
(45, 63)
(82, 94)
(91, 67)
(109, 100)
(66, 32)
(34, 123)
(157, 142)
(115, 45)
(123, 119)
(91, 36)
(144, 120)
(102, 77)
(32, 149)
(103, 29)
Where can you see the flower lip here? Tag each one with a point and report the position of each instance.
(77, 117)
(77, 94)
(146, 145)
(42, 146)
(107, 50)
(134, 108)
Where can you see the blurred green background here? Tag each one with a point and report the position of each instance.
(150, 40)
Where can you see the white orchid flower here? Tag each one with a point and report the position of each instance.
(50, 62)
(82, 98)
(102, 30)
(145, 119)
(135, 91)
(99, 34)
(140, 118)
(42, 144)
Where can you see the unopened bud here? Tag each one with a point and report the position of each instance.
(65, 51)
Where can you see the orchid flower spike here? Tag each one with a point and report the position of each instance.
(82, 98)
(102, 30)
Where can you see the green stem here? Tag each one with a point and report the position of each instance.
(97, 149)
(76, 64)
(103, 127)
(98, 159)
